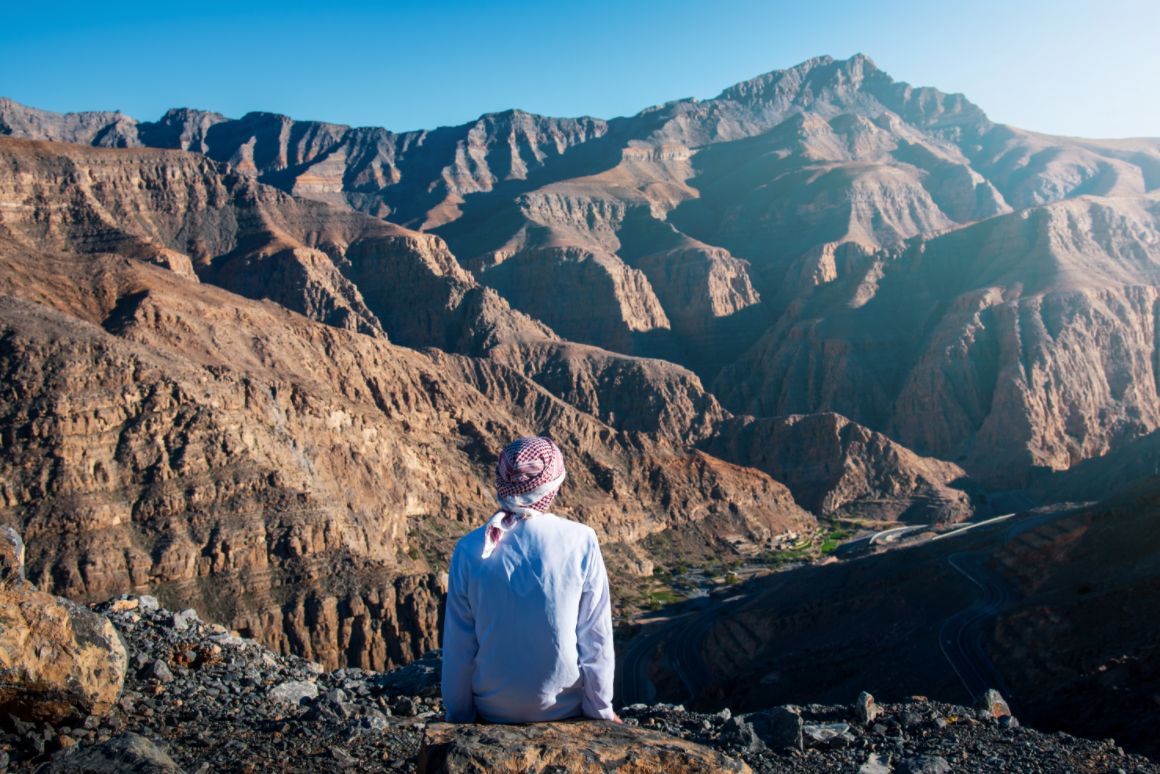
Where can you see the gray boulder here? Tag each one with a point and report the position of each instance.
(924, 764)
(419, 678)
(779, 727)
(828, 734)
(293, 692)
(739, 732)
(125, 754)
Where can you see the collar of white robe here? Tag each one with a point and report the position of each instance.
(514, 509)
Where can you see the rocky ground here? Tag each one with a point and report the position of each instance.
(198, 698)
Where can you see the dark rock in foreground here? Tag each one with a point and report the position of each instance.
(125, 754)
(200, 699)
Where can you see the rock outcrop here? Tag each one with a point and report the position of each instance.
(835, 466)
(635, 394)
(198, 698)
(621, 304)
(59, 662)
(302, 482)
(578, 746)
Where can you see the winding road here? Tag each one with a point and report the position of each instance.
(679, 639)
(633, 683)
(960, 637)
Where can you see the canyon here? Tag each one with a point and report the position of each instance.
(767, 239)
(1049, 605)
(262, 367)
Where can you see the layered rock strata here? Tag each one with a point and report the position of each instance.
(760, 235)
(284, 475)
(835, 466)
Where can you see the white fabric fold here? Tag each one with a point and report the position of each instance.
(514, 509)
(517, 502)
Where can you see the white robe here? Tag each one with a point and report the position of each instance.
(528, 631)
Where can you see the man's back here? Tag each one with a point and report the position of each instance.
(529, 625)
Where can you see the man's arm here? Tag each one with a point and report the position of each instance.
(459, 647)
(594, 638)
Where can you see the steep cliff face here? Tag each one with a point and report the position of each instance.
(835, 466)
(1023, 342)
(621, 302)
(734, 233)
(636, 394)
(201, 219)
(164, 434)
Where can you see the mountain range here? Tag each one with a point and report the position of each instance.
(262, 366)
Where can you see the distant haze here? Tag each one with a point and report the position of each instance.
(1063, 67)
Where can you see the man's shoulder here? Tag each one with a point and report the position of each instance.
(572, 528)
(471, 544)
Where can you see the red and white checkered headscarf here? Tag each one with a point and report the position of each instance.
(527, 477)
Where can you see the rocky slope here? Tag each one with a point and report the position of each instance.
(205, 221)
(1086, 583)
(1054, 606)
(835, 466)
(771, 218)
(282, 475)
(1024, 342)
(200, 698)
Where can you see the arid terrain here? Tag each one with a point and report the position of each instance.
(262, 367)
(1048, 605)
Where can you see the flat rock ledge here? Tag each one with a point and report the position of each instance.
(576, 746)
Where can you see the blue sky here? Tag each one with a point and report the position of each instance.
(1064, 66)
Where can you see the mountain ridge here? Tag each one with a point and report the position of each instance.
(829, 259)
(224, 439)
(697, 229)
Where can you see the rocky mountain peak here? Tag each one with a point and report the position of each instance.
(814, 76)
(828, 86)
(184, 128)
(107, 129)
